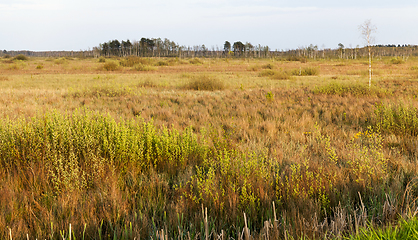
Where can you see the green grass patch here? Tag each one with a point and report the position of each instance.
(404, 230)
(346, 89)
(397, 119)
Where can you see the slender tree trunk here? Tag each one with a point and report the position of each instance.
(370, 67)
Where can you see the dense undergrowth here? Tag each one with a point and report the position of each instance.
(173, 148)
(118, 178)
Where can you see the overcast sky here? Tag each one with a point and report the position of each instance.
(280, 24)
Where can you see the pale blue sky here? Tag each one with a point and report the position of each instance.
(280, 24)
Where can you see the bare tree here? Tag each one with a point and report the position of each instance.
(367, 29)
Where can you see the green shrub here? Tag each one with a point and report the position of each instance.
(268, 66)
(397, 119)
(161, 63)
(296, 58)
(345, 89)
(111, 66)
(147, 84)
(21, 57)
(267, 73)
(39, 67)
(144, 68)
(133, 60)
(205, 83)
(308, 71)
(60, 61)
(7, 56)
(396, 60)
(253, 68)
(102, 59)
(195, 61)
(278, 75)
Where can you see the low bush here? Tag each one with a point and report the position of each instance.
(39, 67)
(7, 56)
(21, 57)
(102, 60)
(253, 68)
(296, 58)
(278, 75)
(147, 84)
(353, 89)
(144, 68)
(308, 71)
(195, 61)
(60, 61)
(397, 119)
(396, 60)
(161, 63)
(133, 60)
(268, 66)
(111, 66)
(205, 83)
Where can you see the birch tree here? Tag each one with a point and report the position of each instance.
(367, 29)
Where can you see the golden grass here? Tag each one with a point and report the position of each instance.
(310, 144)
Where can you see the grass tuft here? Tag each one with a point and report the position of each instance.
(204, 83)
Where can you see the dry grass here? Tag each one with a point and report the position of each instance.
(129, 153)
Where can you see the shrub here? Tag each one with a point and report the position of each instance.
(39, 67)
(396, 60)
(253, 68)
(397, 119)
(133, 60)
(266, 73)
(60, 61)
(147, 84)
(111, 66)
(13, 67)
(7, 56)
(205, 83)
(102, 59)
(278, 75)
(296, 58)
(195, 61)
(354, 89)
(144, 68)
(268, 66)
(161, 63)
(21, 57)
(308, 71)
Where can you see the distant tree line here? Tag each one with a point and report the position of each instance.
(157, 47)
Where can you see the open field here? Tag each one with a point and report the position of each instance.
(136, 147)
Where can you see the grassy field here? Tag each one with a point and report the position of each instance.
(124, 148)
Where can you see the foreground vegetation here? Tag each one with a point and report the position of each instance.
(161, 148)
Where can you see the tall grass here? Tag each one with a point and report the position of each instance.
(151, 159)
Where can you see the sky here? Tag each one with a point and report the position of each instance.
(54, 25)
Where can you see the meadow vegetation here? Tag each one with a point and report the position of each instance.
(169, 148)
